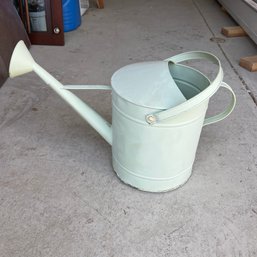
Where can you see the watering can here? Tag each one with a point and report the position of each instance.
(158, 111)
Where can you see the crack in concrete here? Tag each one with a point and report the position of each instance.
(104, 218)
(225, 55)
(254, 211)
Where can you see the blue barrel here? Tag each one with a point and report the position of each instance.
(71, 14)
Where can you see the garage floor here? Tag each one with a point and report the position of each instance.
(59, 195)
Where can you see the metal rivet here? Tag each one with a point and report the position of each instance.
(151, 119)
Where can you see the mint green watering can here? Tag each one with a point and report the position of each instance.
(158, 111)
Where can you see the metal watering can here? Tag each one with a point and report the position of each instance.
(158, 111)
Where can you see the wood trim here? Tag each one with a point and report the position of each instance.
(100, 4)
(27, 16)
(21, 12)
(53, 19)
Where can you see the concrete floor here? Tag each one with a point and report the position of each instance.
(59, 195)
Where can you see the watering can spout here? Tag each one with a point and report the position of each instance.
(22, 62)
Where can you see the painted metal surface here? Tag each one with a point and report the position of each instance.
(153, 148)
(147, 84)
(158, 156)
(22, 62)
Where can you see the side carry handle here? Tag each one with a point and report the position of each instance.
(227, 111)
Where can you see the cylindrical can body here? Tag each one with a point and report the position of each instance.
(71, 14)
(155, 157)
(158, 157)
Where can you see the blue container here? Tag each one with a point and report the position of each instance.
(71, 14)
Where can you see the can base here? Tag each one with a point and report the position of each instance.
(154, 185)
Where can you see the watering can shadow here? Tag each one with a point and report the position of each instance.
(158, 111)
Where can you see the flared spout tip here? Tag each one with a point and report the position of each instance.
(21, 61)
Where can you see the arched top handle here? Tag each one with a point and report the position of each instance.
(153, 118)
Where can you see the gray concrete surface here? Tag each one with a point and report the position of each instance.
(59, 195)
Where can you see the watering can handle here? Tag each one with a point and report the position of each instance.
(87, 87)
(162, 115)
(227, 111)
(194, 55)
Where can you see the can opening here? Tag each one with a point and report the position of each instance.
(190, 82)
